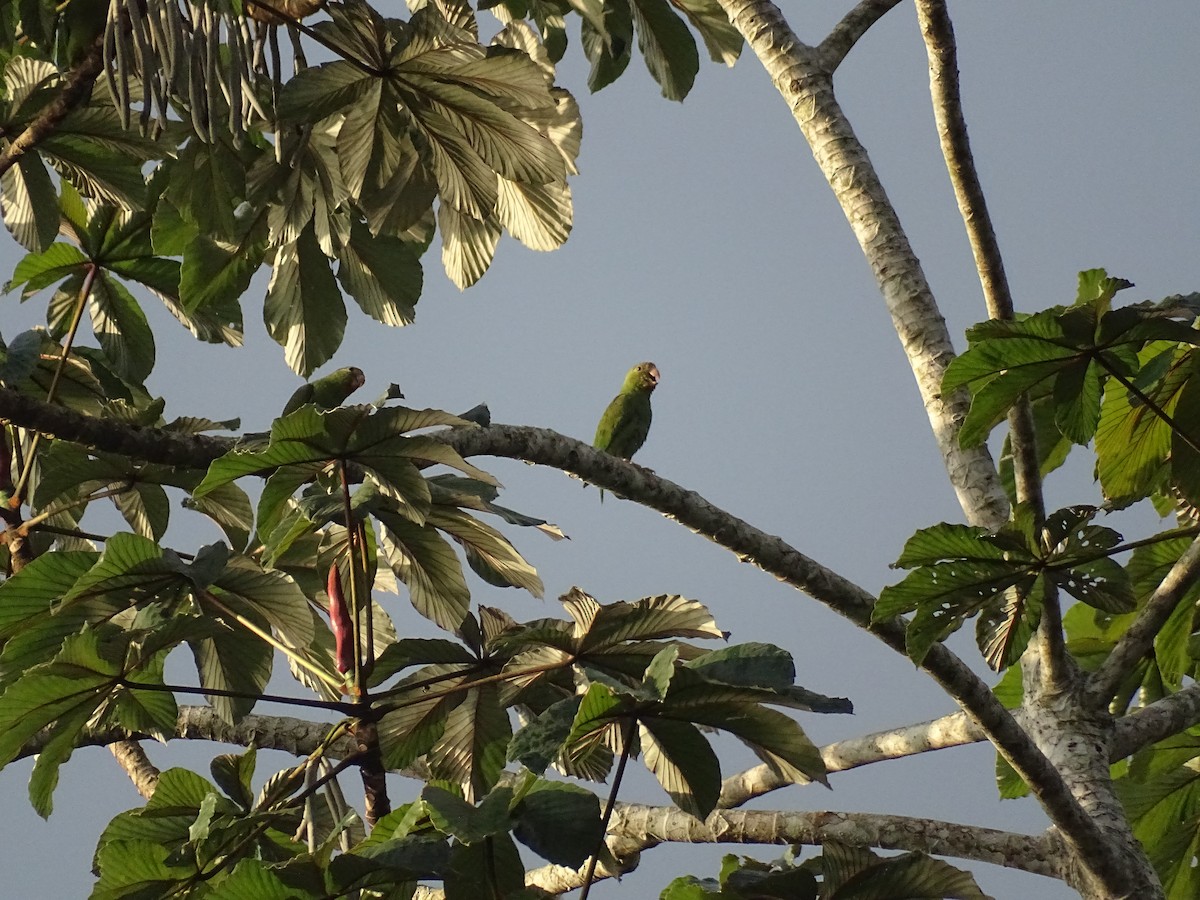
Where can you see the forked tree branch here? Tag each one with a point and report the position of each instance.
(938, 33)
(799, 75)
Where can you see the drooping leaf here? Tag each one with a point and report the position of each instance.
(304, 312)
(667, 46)
(683, 762)
(560, 822)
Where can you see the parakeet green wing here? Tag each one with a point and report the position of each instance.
(626, 422)
(328, 391)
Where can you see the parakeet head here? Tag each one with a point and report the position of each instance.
(642, 377)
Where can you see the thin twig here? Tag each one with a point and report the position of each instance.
(626, 747)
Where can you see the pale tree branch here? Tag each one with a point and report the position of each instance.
(1054, 665)
(1153, 723)
(850, 29)
(1037, 854)
(807, 88)
(653, 825)
(1138, 639)
(953, 730)
(133, 759)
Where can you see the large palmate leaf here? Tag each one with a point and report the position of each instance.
(1071, 351)
(1161, 794)
(960, 571)
(307, 440)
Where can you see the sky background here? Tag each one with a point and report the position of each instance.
(706, 240)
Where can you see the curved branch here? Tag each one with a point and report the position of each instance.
(768, 552)
(846, 33)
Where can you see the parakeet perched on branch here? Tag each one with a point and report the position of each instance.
(626, 421)
(328, 391)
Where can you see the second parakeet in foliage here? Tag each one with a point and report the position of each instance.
(328, 391)
(626, 422)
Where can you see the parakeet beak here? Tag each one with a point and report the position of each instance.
(653, 373)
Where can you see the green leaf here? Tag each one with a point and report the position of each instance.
(489, 553)
(411, 730)
(131, 570)
(491, 868)
(429, 567)
(66, 691)
(1185, 439)
(304, 312)
(251, 879)
(382, 274)
(469, 824)
(207, 184)
(233, 773)
(609, 45)
(468, 244)
(246, 587)
(29, 203)
(471, 751)
(1162, 797)
(27, 596)
(560, 822)
(753, 664)
(215, 270)
(40, 270)
(228, 506)
(121, 328)
(1095, 285)
(651, 618)
(233, 660)
(537, 215)
(146, 509)
(1133, 442)
(418, 652)
(667, 46)
(137, 868)
(723, 40)
(94, 170)
(943, 542)
(912, 875)
(1003, 630)
(684, 764)
(541, 741)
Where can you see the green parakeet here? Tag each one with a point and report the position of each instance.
(626, 421)
(328, 391)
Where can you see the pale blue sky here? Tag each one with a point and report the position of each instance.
(706, 240)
